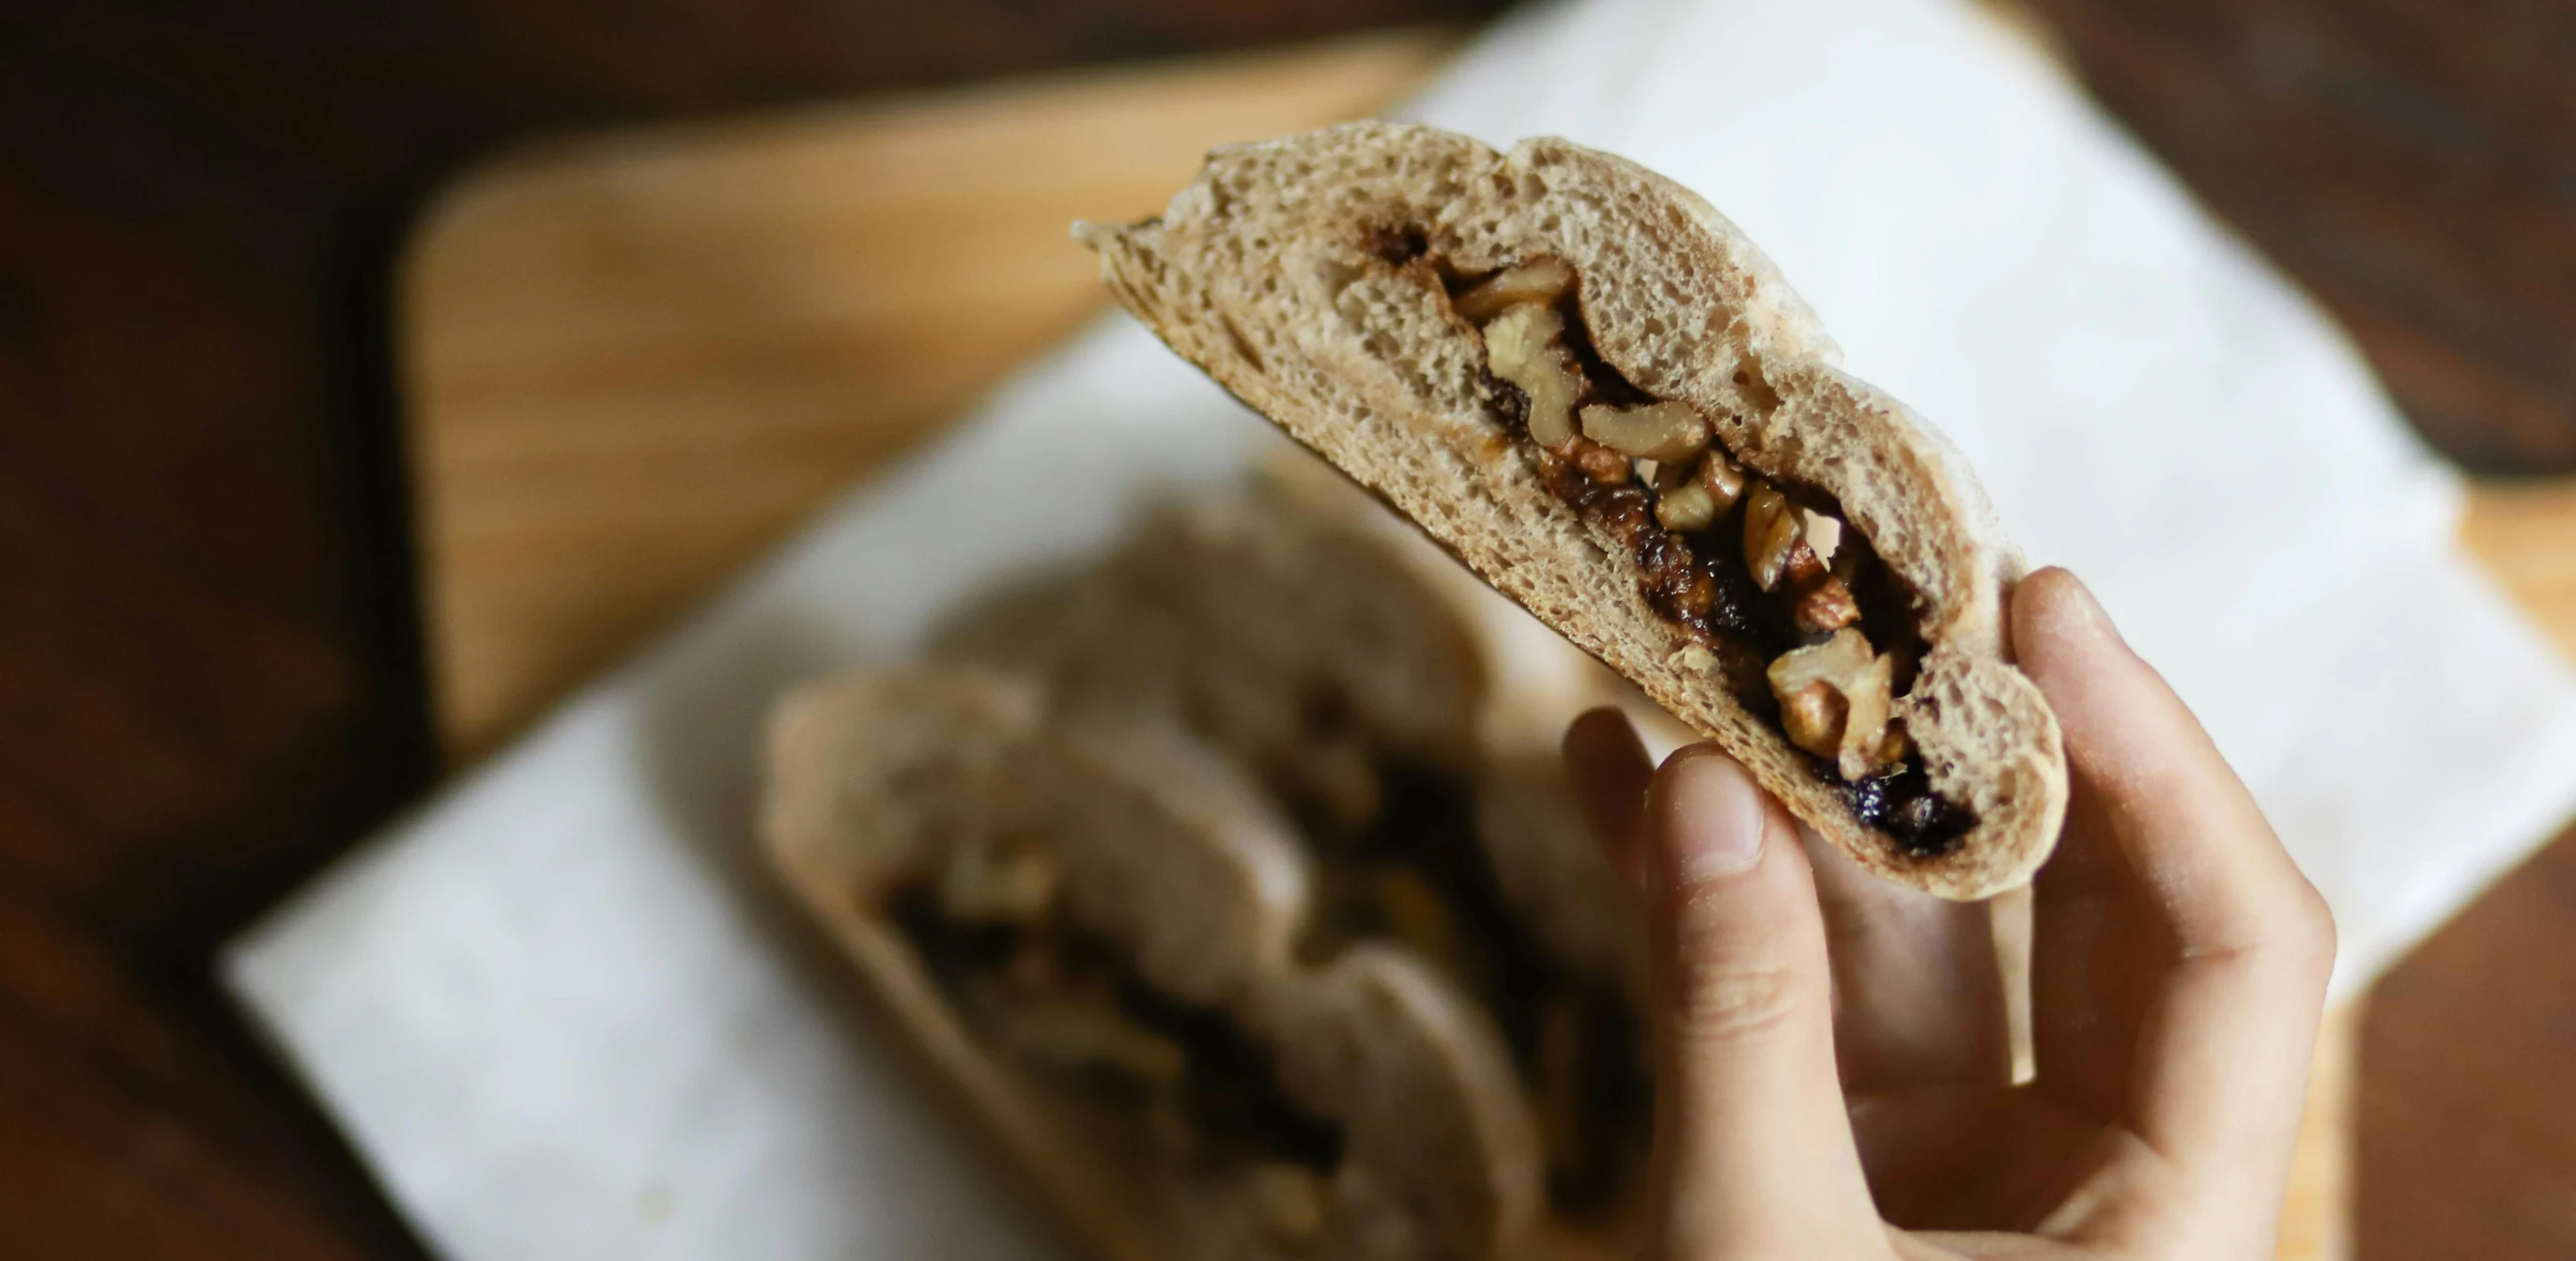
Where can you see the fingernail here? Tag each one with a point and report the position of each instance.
(2077, 611)
(2086, 609)
(1710, 813)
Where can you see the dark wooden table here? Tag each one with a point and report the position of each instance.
(210, 664)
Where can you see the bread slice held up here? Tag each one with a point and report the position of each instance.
(1583, 381)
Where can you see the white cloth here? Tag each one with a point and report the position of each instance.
(563, 1015)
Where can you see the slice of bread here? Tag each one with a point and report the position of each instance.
(1282, 634)
(1321, 644)
(1310, 276)
(881, 781)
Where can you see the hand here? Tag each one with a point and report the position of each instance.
(1833, 1076)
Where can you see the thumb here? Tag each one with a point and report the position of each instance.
(1752, 1144)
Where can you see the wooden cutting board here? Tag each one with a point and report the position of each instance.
(634, 362)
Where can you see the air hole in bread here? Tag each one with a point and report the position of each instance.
(1243, 347)
(1398, 245)
(1758, 394)
(1819, 640)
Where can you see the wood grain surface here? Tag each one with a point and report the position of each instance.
(211, 680)
(2414, 164)
(639, 359)
(210, 670)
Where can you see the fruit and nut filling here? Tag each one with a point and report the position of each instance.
(1068, 1006)
(1765, 577)
(1413, 871)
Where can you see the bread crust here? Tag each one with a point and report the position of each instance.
(1269, 273)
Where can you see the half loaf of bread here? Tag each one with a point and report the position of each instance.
(1588, 385)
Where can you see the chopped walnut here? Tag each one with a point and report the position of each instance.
(1662, 432)
(1852, 728)
(997, 884)
(1598, 462)
(1722, 478)
(1540, 283)
(1092, 1034)
(1813, 715)
(1521, 347)
(1685, 508)
(1826, 606)
(1771, 534)
(1865, 727)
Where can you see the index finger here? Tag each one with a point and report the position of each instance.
(2232, 942)
(2192, 834)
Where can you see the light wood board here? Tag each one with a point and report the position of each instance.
(634, 362)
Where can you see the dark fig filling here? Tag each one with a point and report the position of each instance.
(1068, 1006)
(1815, 631)
(1413, 871)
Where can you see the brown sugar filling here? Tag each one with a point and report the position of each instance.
(1814, 630)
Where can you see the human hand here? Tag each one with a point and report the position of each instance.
(1832, 1059)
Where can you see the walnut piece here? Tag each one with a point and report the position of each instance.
(1771, 534)
(1521, 347)
(1665, 432)
(1865, 726)
(1075, 1033)
(1540, 283)
(1813, 715)
(1685, 508)
(1851, 727)
(997, 883)
(1598, 462)
(1722, 478)
(1826, 606)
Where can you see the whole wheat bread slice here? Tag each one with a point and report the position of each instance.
(1271, 272)
(1279, 632)
(1168, 850)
